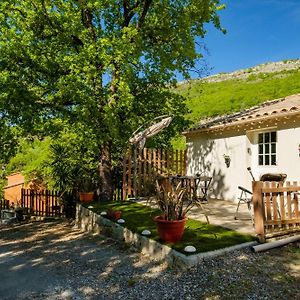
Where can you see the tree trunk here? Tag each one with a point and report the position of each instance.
(105, 170)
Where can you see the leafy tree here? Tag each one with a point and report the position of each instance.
(8, 142)
(73, 160)
(106, 65)
(66, 163)
(32, 159)
(8, 146)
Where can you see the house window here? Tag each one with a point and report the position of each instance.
(267, 148)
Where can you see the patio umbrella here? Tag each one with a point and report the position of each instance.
(138, 139)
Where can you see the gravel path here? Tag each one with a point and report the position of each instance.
(52, 260)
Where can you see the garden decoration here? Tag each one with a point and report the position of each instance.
(227, 160)
(146, 232)
(190, 249)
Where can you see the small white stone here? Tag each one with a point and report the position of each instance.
(90, 206)
(190, 249)
(121, 221)
(103, 213)
(67, 295)
(146, 232)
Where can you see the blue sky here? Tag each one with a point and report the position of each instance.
(258, 31)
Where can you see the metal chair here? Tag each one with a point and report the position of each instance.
(246, 198)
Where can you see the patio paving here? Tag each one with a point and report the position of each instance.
(222, 212)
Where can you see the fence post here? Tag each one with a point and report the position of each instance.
(31, 201)
(259, 210)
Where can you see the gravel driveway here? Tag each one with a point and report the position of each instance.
(52, 260)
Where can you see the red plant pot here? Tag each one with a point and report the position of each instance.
(114, 214)
(86, 197)
(170, 231)
(117, 214)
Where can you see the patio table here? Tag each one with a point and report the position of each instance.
(194, 185)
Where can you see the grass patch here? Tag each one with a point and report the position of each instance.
(205, 237)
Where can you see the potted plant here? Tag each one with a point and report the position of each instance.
(174, 205)
(74, 166)
(87, 186)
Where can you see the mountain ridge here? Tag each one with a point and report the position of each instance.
(268, 67)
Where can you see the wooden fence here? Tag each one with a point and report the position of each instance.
(4, 204)
(276, 208)
(41, 203)
(142, 165)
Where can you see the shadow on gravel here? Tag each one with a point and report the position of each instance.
(52, 260)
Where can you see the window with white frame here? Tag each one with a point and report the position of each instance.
(267, 148)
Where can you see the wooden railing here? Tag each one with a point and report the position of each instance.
(141, 166)
(276, 208)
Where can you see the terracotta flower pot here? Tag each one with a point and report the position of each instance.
(86, 197)
(170, 231)
(114, 214)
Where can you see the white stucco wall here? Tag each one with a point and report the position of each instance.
(205, 153)
(288, 153)
(287, 156)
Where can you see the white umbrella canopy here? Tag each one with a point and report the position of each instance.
(139, 138)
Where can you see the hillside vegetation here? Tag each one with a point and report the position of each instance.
(230, 92)
(211, 98)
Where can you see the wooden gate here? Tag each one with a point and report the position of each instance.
(276, 208)
(142, 166)
(41, 203)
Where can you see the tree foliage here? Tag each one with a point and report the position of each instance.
(104, 65)
(32, 159)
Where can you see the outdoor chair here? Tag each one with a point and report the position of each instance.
(246, 197)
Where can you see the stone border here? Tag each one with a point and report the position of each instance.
(89, 221)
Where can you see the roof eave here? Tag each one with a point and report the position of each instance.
(241, 123)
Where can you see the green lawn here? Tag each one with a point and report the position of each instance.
(205, 237)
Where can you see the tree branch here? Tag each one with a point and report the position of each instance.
(146, 9)
(129, 12)
(87, 19)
